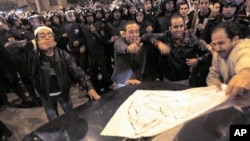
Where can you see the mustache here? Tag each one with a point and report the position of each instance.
(221, 51)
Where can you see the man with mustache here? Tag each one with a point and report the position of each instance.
(231, 59)
(185, 51)
(52, 70)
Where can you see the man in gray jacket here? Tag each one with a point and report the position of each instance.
(130, 56)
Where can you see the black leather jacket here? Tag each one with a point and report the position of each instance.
(65, 69)
(174, 65)
(74, 33)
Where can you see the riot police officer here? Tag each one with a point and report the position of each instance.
(76, 42)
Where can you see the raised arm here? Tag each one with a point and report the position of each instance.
(156, 40)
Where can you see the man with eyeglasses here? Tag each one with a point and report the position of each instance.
(52, 70)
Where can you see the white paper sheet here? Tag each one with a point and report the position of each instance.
(148, 113)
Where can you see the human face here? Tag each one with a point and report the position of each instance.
(132, 10)
(132, 33)
(177, 28)
(216, 8)
(107, 14)
(204, 6)
(139, 17)
(71, 17)
(169, 6)
(90, 19)
(98, 15)
(48, 23)
(228, 11)
(222, 44)
(196, 4)
(183, 10)
(117, 15)
(18, 23)
(35, 22)
(56, 20)
(147, 5)
(45, 39)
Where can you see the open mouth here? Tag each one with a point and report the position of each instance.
(178, 34)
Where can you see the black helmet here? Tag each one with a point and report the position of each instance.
(71, 15)
(89, 12)
(31, 16)
(55, 14)
(82, 13)
(70, 8)
(140, 10)
(229, 3)
(118, 8)
(12, 18)
(163, 3)
(132, 4)
(99, 9)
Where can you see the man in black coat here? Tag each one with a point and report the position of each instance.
(10, 64)
(52, 70)
(185, 51)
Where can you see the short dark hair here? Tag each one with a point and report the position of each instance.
(175, 16)
(182, 3)
(200, 0)
(230, 28)
(128, 23)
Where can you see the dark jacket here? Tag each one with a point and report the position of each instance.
(65, 69)
(94, 42)
(212, 23)
(114, 27)
(127, 65)
(162, 24)
(151, 16)
(58, 34)
(174, 65)
(9, 56)
(143, 26)
(74, 33)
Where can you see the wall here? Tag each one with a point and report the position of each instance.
(30, 5)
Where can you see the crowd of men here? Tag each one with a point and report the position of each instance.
(174, 43)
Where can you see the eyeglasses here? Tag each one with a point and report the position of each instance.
(42, 36)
